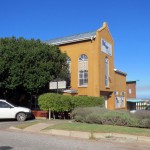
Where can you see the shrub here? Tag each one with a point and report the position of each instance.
(118, 118)
(87, 101)
(61, 103)
(94, 118)
(102, 116)
(142, 114)
(88, 114)
(144, 123)
(49, 100)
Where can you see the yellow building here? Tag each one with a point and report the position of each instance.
(91, 61)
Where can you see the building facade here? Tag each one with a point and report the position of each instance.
(91, 65)
(131, 89)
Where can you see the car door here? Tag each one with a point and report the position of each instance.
(6, 110)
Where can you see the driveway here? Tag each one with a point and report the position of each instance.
(4, 124)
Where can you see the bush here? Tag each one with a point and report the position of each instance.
(60, 103)
(118, 118)
(142, 114)
(94, 118)
(144, 123)
(87, 101)
(103, 116)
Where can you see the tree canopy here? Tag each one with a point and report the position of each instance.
(29, 64)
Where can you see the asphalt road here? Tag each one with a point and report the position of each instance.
(18, 140)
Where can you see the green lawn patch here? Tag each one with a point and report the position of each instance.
(101, 128)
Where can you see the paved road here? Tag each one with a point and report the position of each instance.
(17, 140)
(4, 124)
(13, 140)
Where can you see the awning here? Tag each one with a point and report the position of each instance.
(71, 91)
(135, 100)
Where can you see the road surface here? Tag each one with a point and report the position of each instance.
(17, 140)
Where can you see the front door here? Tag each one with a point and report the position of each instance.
(106, 100)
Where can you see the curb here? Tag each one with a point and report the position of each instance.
(97, 136)
(91, 135)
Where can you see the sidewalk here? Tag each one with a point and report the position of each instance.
(38, 128)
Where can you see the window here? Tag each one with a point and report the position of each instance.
(69, 64)
(83, 70)
(4, 105)
(120, 101)
(68, 80)
(130, 91)
(106, 72)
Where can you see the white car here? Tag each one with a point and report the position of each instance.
(9, 111)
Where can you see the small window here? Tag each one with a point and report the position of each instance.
(130, 91)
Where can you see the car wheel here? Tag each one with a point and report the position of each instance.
(21, 116)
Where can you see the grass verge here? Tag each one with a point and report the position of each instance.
(101, 128)
(25, 125)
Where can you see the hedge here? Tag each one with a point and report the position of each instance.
(61, 103)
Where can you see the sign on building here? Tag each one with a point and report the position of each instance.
(106, 47)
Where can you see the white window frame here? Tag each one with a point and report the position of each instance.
(106, 72)
(119, 101)
(83, 73)
(69, 64)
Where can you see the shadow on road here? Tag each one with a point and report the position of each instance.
(5, 147)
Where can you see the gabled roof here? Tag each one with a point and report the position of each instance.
(73, 38)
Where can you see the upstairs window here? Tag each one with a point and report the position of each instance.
(106, 72)
(69, 72)
(69, 64)
(83, 70)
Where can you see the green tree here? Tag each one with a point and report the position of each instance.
(29, 65)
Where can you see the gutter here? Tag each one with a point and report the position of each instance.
(75, 40)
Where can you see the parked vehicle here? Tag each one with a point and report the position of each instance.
(10, 111)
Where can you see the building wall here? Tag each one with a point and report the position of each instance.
(131, 89)
(74, 51)
(120, 87)
(96, 64)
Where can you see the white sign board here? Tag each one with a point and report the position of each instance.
(106, 47)
(53, 85)
(61, 85)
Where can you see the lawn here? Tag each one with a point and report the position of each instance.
(101, 128)
(75, 126)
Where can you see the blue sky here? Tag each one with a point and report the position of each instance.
(128, 21)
